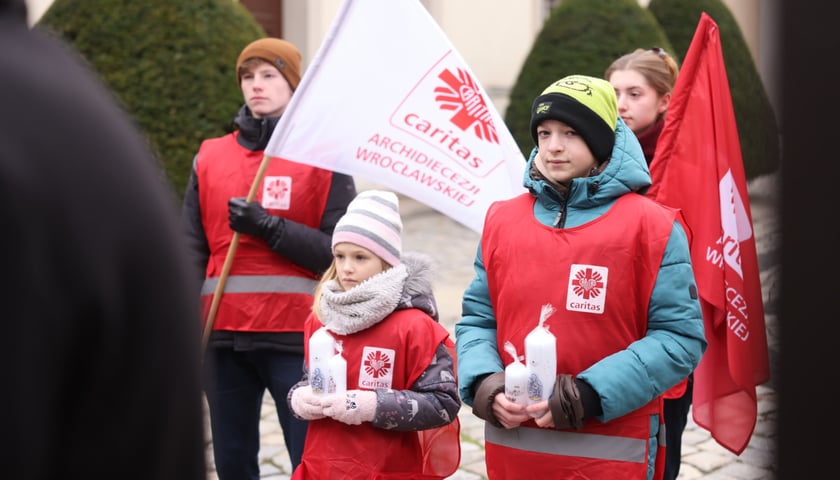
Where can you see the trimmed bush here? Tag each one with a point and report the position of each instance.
(580, 37)
(758, 130)
(169, 62)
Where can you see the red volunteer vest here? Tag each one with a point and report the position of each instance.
(264, 292)
(391, 354)
(599, 277)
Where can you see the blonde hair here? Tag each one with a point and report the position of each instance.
(659, 69)
(330, 274)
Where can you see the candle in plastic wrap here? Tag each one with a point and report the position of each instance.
(516, 378)
(541, 356)
(338, 372)
(321, 350)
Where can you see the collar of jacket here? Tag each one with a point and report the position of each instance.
(254, 133)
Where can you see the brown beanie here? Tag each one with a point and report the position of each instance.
(277, 52)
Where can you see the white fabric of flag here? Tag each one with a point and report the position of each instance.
(387, 98)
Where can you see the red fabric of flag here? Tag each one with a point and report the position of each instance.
(698, 168)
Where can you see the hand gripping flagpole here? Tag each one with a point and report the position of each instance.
(234, 244)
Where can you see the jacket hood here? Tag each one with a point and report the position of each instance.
(418, 286)
(625, 171)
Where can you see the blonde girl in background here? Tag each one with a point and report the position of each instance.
(644, 82)
(398, 417)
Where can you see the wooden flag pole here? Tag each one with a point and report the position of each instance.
(234, 244)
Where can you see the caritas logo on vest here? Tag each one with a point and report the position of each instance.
(587, 288)
(377, 368)
(461, 127)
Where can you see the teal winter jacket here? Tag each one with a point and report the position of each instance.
(674, 341)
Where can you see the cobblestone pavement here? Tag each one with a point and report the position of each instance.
(453, 248)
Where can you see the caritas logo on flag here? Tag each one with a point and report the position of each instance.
(462, 117)
(388, 99)
(736, 225)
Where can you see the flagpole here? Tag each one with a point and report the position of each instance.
(234, 244)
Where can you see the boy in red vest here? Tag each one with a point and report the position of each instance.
(256, 342)
(616, 267)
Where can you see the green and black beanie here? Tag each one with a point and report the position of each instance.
(587, 104)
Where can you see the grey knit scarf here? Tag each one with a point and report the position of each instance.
(407, 285)
(363, 306)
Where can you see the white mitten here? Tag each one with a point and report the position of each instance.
(305, 404)
(352, 408)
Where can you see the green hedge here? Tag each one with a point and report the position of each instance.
(758, 130)
(169, 62)
(580, 37)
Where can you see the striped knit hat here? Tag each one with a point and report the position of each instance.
(373, 221)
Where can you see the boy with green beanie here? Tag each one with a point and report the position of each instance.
(616, 268)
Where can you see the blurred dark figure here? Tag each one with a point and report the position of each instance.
(101, 344)
(809, 240)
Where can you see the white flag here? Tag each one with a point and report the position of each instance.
(388, 98)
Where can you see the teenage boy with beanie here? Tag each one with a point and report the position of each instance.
(398, 417)
(616, 267)
(256, 341)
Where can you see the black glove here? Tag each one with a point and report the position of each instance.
(250, 218)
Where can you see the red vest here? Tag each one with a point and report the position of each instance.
(264, 291)
(599, 277)
(403, 345)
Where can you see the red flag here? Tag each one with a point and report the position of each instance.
(698, 168)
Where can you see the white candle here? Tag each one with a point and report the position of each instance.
(338, 372)
(541, 355)
(516, 378)
(321, 349)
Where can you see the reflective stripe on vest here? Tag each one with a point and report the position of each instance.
(661, 436)
(261, 284)
(569, 443)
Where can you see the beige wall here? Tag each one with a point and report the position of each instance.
(495, 36)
